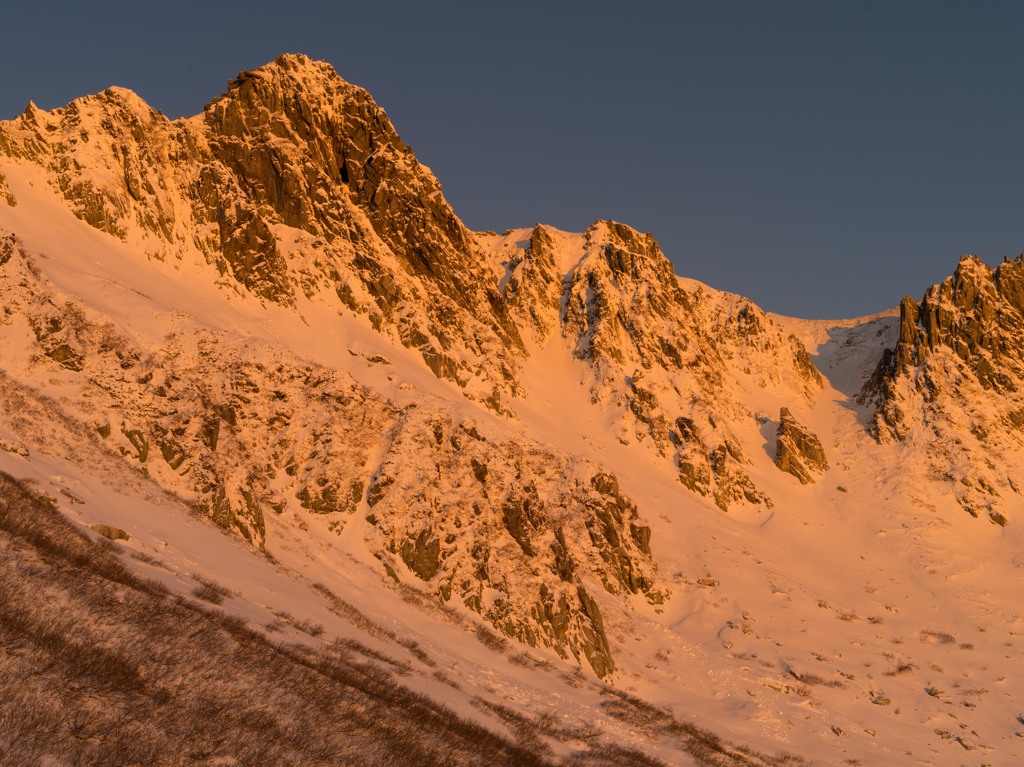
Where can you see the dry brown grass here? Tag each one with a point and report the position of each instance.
(109, 669)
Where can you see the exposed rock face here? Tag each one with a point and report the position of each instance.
(623, 289)
(293, 181)
(245, 437)
(797, 450)
(976, 314)
(672, 357)
(716, 473)
(532, 286)
(656, 347)
(5, 193)
(962, 340)
(511, 530)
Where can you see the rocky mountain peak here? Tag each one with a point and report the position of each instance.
(106, 154)
(629, 252)
(292, 183)
(294, 144)
(292, 74)
(297, 104)
(975, 314)
(295, 131)
(674, 357)
(961, 340)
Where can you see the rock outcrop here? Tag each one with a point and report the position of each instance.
(5, 193)
(959, 346)
(797, 450)
(674, 358)
(517, 533)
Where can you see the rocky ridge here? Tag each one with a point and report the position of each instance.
(292, 183)
(294, 187)
(673, 359)
(957, 347)
(797, 450)
(295, 184)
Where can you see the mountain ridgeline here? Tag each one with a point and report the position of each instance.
(955, 379)
(293, 189)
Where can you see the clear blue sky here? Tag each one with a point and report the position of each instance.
(822, 158)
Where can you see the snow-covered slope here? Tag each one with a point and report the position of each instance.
(551, 478)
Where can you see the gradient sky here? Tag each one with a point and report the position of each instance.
(822, 158)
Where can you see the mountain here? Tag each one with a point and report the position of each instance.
(954, 381)
(535, 481)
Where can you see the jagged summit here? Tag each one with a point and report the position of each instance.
(297, 68)
(955, 379)
(293, 183)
